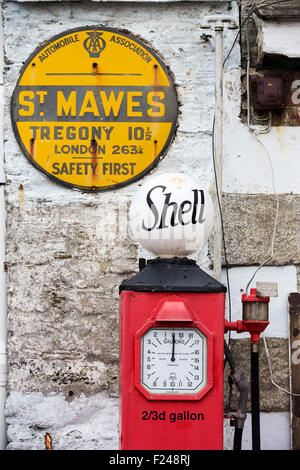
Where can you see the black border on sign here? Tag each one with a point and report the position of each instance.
(95, 188)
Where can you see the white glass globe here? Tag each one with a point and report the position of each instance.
(171, 215)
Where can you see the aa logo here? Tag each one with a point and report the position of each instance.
(94, 44)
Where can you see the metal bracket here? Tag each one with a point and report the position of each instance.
(219, 21)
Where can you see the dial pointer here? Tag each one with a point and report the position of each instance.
(173, 347)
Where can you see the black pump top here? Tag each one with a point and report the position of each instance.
(172, 275)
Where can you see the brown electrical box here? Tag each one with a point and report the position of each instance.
(269, 93)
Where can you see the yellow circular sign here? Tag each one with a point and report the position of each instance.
(94, 108)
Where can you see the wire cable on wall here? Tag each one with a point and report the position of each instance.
(222, 226)
(251, 12)
(271, 374)
(266, 129)
(255, 132)
(276, 215)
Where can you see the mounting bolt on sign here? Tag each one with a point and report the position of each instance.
(172, 325)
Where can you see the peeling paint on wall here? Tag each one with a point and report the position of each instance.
(67, 252)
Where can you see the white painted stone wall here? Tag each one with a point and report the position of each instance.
(277, 37)
(275, 432)
(173, 29)
(85, 423)
(3, 330)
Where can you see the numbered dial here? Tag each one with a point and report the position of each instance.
(174, 361)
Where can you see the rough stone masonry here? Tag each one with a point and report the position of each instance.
(67, 251)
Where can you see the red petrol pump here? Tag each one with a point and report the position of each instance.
(172, 347)
(172, 325)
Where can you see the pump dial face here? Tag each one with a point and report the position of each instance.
(174, 361)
